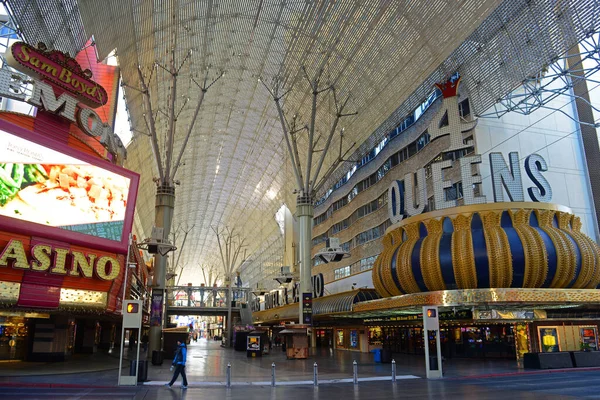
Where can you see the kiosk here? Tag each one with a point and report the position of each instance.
(296, 341)
(254, 345)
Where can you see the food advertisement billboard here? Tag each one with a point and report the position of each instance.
(51, 190)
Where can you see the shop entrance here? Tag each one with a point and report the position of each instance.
(324, 338)
(481, 341)
(466, 341)
(13, 332)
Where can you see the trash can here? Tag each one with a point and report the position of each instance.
(377, 355)
(157, 357)
(142, 370)
(386, 355)
(433, 363)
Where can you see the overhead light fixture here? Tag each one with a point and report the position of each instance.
(285, 276)
(333, 252)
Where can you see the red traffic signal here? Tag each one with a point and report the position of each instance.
(431, 313)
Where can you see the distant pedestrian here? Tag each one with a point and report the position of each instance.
(145, 342)
(132, 340)
(179, 365)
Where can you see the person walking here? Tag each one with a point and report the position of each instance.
(179, 365)
(145, 342)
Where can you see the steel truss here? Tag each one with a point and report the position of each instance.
(555, 80)
(9, 33)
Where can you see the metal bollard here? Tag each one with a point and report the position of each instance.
(228, 375)
(393, 370)
(355, 372)
(273, 374)
(315, 375)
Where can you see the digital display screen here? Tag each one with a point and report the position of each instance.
(49, 187)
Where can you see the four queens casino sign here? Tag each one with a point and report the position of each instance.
(59, 69)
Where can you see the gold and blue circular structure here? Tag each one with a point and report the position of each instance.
(493, 245)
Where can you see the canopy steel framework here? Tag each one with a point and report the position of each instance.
(386, 55)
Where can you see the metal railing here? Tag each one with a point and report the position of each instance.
(206, 297)
(315, 381)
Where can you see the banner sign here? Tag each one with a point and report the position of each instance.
(502, 314)
(307, 308)
(156, 309)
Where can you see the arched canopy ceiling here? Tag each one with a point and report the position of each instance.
(235, 172)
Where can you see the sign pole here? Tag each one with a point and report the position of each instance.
(132, 319)
(121, 352)
(126, 266)
(123, 309)
(431, 323)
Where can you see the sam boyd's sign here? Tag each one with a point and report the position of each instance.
(58, 70)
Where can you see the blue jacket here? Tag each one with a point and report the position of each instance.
(180, 355)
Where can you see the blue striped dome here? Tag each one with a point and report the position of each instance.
(494, 245)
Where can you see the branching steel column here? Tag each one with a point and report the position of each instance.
(165, 191)
(304, 213)
(230, 250)
(306, 185)
(149, 117)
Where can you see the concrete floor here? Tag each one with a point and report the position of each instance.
(95, 377)
(573, 385)
(207, 364)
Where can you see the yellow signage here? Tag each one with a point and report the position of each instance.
(61, 261)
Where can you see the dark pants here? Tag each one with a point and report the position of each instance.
(179, 369)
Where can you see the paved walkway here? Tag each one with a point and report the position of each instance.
(207, 365)
(547, 386)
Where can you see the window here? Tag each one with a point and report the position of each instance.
(319, 239)
(454, 192)
(464, 108)
(371, 234)
(430, 204)
(407, 122)
(412, 149)
(455, 155)
(422, 141)
(342, 272)
(320, 219)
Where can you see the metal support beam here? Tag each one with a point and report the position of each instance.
(306, 185)
(560, 78)
(589, 134)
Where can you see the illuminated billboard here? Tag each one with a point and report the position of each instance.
(45, 185)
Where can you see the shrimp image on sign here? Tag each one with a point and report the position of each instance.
(58, 195)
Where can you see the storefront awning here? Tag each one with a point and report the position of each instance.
(342, 302)
(335, 303)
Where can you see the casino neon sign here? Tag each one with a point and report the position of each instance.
(60, 261)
